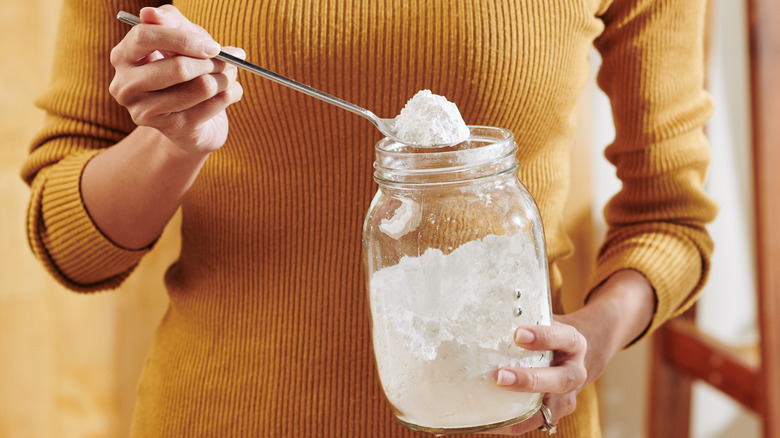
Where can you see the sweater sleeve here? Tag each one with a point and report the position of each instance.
(82, 119)
(652, 70)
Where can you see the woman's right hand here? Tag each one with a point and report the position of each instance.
(168, 80)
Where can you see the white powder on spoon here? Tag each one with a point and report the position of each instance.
(430, 120)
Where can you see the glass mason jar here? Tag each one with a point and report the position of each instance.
(454, 253)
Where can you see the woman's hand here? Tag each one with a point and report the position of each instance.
(168, 80)
(177, 95)
(562, 381)
(582, 342)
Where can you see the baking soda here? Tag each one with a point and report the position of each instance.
(443, 324)
(429, 119)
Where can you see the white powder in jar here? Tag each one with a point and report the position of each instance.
(405, 219)
(443, 324)
(429, 120)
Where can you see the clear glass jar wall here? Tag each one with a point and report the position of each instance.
(455, 260)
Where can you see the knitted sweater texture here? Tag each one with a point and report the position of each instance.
(267, 332)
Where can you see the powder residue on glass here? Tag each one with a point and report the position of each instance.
(441, 334)
(430, 120)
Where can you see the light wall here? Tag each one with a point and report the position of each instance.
(69, 363)
(726, 309)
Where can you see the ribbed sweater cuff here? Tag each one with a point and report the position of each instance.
(83, 257)
(673, 267)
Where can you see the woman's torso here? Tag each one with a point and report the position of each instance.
(267, 332)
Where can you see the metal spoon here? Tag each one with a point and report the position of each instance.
(384, 125)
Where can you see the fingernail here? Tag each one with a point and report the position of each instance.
(145, 11)
(211, 48)
(240, 53)
(505, 378)
(523, 336)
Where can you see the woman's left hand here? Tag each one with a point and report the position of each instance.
(582, 343)
(562, 381)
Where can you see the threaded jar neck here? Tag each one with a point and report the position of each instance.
(488, 151)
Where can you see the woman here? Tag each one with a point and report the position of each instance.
(267, 329)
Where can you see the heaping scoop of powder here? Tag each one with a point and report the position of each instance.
(429, 120)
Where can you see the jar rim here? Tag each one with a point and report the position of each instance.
(488, 151)
(390, 146)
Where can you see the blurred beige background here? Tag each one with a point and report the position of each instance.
(69, 363)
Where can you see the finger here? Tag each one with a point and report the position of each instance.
(170, 16)
(132, 85)
(181, 97)
(129, 85)
(168, 72)
(187, 95)
(144, 39)
(154, 56)
(203, 112)
(561, 405)
(210, 108)
(557, 337)
(235, 51)
(569, 376)
(182, 21)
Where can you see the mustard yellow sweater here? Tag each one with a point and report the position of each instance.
(267, 332)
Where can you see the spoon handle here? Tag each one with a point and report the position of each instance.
(276, 77)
